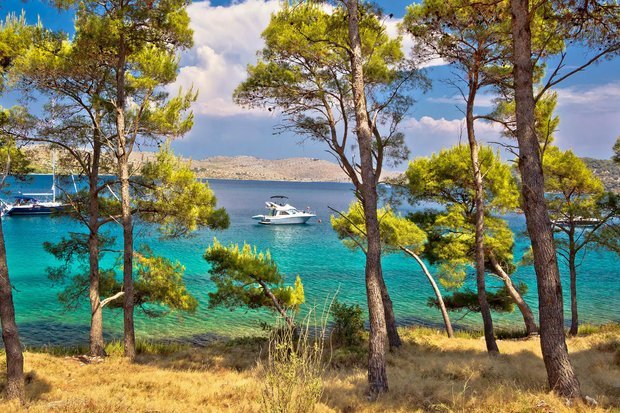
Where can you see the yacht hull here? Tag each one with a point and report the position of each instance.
(33, 210)
(285, 220)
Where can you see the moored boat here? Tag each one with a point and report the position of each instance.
(282, 213)
(28, 204)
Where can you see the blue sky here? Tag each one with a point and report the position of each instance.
(227, 35)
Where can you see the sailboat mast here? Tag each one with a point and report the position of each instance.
(53, 176)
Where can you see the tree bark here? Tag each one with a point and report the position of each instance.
(97, 346)
(390, 319)
(560, 374)
(442, 305)
(128, 287)
(528, 317)
(377, 375)
(572, 268)
(485, 310)
(10, 334)
(126, 217)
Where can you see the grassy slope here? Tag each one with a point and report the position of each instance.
(430, 373)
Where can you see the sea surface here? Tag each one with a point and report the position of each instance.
(312, 251)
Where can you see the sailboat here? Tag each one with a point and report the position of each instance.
(36, 203)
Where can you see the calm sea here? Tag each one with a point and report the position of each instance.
(313, 251)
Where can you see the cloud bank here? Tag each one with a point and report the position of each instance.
(225, 42)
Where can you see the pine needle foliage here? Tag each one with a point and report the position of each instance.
(246, 277)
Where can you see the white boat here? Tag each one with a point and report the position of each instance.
(35, 204)
(576, 222)
(282, 213)
(30, 204)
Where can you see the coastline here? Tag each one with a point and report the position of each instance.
(242, 168)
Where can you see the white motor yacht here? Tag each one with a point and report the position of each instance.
(281, 213)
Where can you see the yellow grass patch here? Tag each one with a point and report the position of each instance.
(429, 373)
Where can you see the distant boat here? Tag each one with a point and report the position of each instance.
(36, 203)
(27, 204)
(577, 222)
(281, 213)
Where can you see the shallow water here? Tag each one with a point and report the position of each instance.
(313, 251)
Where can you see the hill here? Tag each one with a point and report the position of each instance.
(219, 167)
(607, 170)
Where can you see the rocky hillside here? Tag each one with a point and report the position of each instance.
(219, 167)
(607, 170)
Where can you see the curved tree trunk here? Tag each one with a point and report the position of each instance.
(528, 317)
(485, 310)
(442, 306)
(560, 374)
(97, 346)
(10, 334)
(377, 375)
(390, 319)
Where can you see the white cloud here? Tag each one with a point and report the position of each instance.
(589, 121)
(226, 40)
(591, 98)
(392, 28)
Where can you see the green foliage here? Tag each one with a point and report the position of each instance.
(616, 156)
(159, 286)
(499, 300)
(446, 178)
(348, 327)
(577, 195)
(470, 35)
(15, 37)
(12, 159)
(175, 199)
(244, 277)
(159, 283)
(396, 231)
(567, 174)
(304, 70)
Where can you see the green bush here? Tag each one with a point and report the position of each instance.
(348, 324)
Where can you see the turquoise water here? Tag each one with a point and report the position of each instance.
(312, 251)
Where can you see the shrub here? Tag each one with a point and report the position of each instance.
(348, 324)
(292, 381)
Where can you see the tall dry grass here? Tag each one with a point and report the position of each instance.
(429, 373)
(292, 374)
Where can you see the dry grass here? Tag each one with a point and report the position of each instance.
(430, 373)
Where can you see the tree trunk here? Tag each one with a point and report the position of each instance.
(485, 310)
(97, 346)
(560, 374)
(442, 306)
(572, 267)
(10, 333)
(528, 317)
(390, 320)
(127, 221)
(377, 375)
(126, 218)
